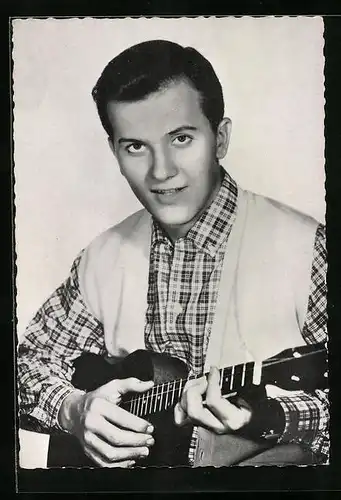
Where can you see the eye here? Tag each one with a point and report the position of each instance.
(182, 140)
(135, 148)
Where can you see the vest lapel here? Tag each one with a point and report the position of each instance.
(216, 349)
(212, 449)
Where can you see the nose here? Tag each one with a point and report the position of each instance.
(162, 165)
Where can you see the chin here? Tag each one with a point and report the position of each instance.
(173, 216)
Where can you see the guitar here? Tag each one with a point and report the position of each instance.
(301, 368)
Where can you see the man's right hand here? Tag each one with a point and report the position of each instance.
(110, 436)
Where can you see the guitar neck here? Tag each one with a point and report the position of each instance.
(166, 395)
(292, 368)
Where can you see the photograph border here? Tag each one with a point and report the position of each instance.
(317, 478)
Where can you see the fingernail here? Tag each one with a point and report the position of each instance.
(150, 440)
(132, 463)
(150, 429)
(144, 452)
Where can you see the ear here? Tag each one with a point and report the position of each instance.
(223, 137)
(114, 152)
(111, 145)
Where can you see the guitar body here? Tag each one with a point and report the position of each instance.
(92, 371)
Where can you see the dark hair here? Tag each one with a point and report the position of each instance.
(148, 66)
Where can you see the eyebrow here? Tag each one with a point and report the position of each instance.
(172, 132)
(182, 129)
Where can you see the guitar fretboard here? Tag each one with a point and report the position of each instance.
(163, 396)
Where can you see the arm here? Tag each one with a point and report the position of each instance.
(60, 331)
(307, 415)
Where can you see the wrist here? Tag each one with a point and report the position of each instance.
(70, 411)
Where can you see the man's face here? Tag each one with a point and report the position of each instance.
(167, 152)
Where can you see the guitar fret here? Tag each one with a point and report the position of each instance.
(161, 397)
(152, 394)
(144, 403)
(134, 406)
(257, 373)
(141, 397)
(173, 391)
(221, 378)
(148, 398)
(249, 373)
(155, 396)
(180, 386)
(237, 377)
(243, 376)
(232, 377)
(138, 406)
(167, 392)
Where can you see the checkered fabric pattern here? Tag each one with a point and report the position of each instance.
(61, 331)
(178, 321)
(306, 415)
(184, 279)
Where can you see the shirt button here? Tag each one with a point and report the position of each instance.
(177, 308)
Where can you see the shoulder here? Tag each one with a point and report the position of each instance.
(114, 236)
(107, 247)
(104, 258)
(282, 216)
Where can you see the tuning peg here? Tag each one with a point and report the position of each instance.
(297, 354)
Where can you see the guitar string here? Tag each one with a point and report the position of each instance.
(152, 394)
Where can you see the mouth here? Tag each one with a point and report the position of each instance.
(169, 196)
(167, 192)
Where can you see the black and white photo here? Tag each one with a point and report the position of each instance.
(170, 242)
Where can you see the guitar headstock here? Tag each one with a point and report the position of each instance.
(300, 368)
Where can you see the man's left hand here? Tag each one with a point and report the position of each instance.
(214, 412)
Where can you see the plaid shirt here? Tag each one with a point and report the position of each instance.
(182, 294)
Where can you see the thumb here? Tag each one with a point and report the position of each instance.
(117, 387)
(133, 384)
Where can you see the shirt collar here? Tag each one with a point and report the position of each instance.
(214, 225)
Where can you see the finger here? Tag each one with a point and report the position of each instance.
(197, 413)
(108, 453)
(120, 437)
(122, 418)
(98, 460)
(197, 386)
(231, 416)
(180, 416)
(214, 400)
(213, 391)
(200, 384)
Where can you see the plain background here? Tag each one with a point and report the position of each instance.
(67, 184)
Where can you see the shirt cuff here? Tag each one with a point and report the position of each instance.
(306, 420)
(48, 410)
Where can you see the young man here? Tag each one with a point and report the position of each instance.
(207, 273)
